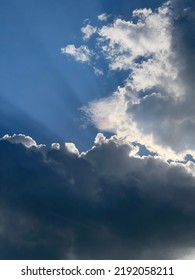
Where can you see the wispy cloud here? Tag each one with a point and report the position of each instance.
(88, 30)
(81, 53)
(103, 17)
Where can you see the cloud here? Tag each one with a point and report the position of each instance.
(97, 71)
(81, 53)
(155, 106)
(106, 203)
(20, 138)
(103, 17)
(127, 41)
(88, 31)
(71, 148)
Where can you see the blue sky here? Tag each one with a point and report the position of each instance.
(41, 90)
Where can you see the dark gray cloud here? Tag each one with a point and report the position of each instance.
(102, 205)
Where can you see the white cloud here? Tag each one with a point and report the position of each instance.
(142, 13)
(145, 48)
(149, 39)
(97, 71)
(88, 31)
(81, 53)
(103, 17)
(20, 139)
(108, 117)
(55, 146)
(154, 107)
(71, 148)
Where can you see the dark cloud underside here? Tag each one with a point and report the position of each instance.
(105, 205)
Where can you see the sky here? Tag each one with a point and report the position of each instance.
(39, 94)
(97, 129)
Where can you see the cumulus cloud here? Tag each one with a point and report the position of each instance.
(126, 39)
(155, 106)
(71, 148)
(102, 204)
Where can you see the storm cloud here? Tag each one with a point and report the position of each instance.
(102, 204)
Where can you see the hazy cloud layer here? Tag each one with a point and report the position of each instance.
(102, 204)
(155, 107)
